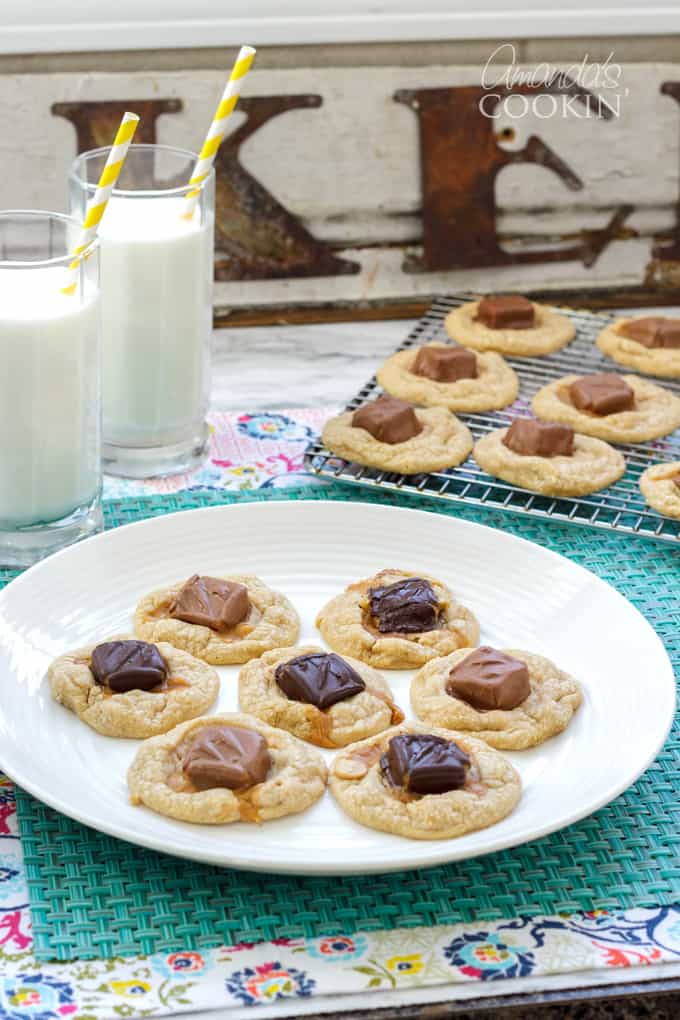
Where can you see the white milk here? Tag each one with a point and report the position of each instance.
(156, 282)
(49, 413)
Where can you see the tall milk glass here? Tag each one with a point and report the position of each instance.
(50, 399)
(156, 279)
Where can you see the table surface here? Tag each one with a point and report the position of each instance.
(322, 366)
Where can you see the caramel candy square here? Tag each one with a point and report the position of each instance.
(445, 364)
(489, 679)
(603, 393)
(653, 331)
(531, 438)
(388, 420)
(506, 311)
(211, 602)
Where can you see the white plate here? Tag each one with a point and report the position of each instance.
(524, 596)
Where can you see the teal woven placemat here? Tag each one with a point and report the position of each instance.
(95, 896)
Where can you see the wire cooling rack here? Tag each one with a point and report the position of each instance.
(620, 507)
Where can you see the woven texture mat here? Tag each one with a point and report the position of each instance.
(95, 896)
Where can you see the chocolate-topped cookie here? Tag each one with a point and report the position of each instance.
(650, 344)
(510, 698)
(328, 699)
(124, 687)
(396, 619)
(652, 331)
(509, 324)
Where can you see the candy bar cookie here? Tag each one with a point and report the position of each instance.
(509, 324)
(618, 408)
(650, 344)
(660, 485)
(424, 783)
(441, 375)
(396, 620)
(222, 620)
(226, 768)
(548, 458)
(317, 695)
(128, 688)
(390, 434)
(510, 699)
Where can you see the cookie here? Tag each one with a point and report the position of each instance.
(661, 361)
(660, 490)
(593, 465)
(550, 332)
(442, 442)
(362, 713)
(295, 776)
(271, 623)
(190, 689)
(494, 387)
(552, 697)
(347, 625)
(656, 411)
(359, 783)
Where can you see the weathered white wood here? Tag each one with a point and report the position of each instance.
(350, 169)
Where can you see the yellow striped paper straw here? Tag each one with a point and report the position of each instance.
(206, 156)
(105, 185)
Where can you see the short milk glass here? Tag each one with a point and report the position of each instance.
(156, 278)
(50, 399)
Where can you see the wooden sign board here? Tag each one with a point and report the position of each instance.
(369, 186)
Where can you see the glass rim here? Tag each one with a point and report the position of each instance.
(182, 190)
(57, 260)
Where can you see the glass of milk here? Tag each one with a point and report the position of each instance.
(156, 283)
(50, 399)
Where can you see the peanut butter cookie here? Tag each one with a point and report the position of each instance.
(646, 351)
(491, 386)
(441, 441)
(660, 485)
(226, 768)
(647, 411)
(424, 783)
(397, 620)
(510, 699)
(593, 465)
(122, 687)
(549, 332)
(317, 696)
(199, 616)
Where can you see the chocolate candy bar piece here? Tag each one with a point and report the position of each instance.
(405, 607)
(445, 364)
(489, 679)
(388, 420)
(532, 438)
(128, 666)
(211, 602)
(652, 331)
(320, 679)
(228, 756)
(603, 393)
(422, 763)
(506, 311)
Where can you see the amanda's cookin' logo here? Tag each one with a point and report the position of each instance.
(560, 91)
